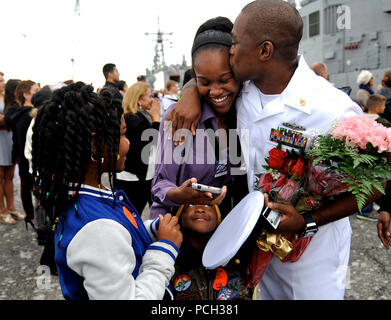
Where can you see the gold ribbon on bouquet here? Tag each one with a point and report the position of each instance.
(275, 243)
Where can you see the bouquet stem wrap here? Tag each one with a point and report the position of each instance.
(275, 243)
(287, 247)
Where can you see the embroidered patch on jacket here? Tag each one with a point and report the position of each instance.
(230, 291)
(221, 279)
(182, 282)
(221, 169)
(130, 217)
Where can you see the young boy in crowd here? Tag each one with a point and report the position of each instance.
(376, 105)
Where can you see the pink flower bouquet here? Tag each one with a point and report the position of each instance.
(357, 152)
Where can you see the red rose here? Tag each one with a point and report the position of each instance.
(298, 168)
(286, 168)
(276, 159)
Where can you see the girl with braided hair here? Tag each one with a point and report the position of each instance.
(103, 249)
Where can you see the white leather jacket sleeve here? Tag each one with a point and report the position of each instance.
(102, 253)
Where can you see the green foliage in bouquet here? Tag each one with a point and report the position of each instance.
(366, 168)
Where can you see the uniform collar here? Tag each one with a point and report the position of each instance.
(298, 91)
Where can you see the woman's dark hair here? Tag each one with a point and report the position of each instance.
(187, 76)
(9, 95)
(23, 87)
(40, 97)
(65, 127)
(214, 33)
(120, 85)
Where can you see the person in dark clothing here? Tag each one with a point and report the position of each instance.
(192, 281)
(142, 112)
(386, 91)
(122, 87)
(384, 219)
(45, 234)
(18, 119)
(111, 75)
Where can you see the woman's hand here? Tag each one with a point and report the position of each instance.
(169, 229)
(154, 112)
(383, 228)
(186, 113)
(186, 194)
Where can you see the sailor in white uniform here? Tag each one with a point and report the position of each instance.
(320, 272)
(281, 91)
(295, 98)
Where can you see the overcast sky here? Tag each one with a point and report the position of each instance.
(40, 37)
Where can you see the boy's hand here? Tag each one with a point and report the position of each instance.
(169, 229)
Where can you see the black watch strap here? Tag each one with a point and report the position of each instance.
(310, 226)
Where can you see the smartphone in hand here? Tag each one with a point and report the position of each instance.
(205, 188)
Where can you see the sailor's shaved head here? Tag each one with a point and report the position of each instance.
(276, 21)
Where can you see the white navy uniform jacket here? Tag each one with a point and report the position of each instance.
(107, 252)
(313, 103)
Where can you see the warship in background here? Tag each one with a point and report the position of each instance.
(160, 72)
(348, 36)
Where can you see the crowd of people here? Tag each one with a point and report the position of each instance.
(64, 138)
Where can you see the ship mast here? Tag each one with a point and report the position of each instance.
(159, 63)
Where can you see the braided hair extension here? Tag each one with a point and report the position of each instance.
(64, 129)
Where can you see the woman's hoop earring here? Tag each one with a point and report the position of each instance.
(92, 158)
